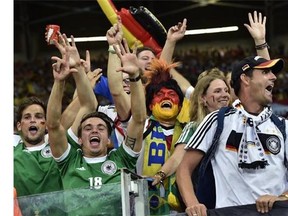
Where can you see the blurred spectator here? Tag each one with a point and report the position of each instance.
(34, 78)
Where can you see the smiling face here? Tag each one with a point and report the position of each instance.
(32, 125)
(94, 137)
(165, 104)
(216, 96)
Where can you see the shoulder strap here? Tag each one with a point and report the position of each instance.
(281, 126)
(210, 153)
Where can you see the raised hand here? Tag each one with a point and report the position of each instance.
(65, 47)
(94, 76)
(115, 33)
(177, 32)
(86, 63)
(129, 60)
(61, 67)
(257, 27)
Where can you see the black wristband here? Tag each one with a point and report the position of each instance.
(135, 79)
(262, 46)
(162, 174)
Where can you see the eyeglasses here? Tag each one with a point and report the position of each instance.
(126, 81)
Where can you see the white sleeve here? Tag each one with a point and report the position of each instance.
(189, 91)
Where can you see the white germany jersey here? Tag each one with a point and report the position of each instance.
(120, 131)
(234, 185)
(109, 110)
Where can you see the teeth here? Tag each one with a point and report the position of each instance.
(166, 104)
(94, 139)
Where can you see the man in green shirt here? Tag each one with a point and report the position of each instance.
(35, 171)
(90, 166)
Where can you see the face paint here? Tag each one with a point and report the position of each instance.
(165, 104)
(165, 94)
(217, 95)
(165, 114)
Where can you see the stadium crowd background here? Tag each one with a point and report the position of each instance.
(32, 55)
(35, 77)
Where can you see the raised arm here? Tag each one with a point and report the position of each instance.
(70, 62)
(93, 76)
(174, 34)
(257, 30)
(56, 131)
(115, 80)
(130, 66)
(86, 97)
(69, 114)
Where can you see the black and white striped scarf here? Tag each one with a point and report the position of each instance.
(251, 154)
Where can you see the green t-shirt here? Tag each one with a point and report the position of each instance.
(87, 179)
(80, 172)
(35, 170)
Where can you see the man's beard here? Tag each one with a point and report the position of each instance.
(33, 141)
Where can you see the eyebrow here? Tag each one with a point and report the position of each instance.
(98, 125)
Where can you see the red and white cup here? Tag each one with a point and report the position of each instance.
(52, 33)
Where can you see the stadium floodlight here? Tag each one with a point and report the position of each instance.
(188, 32)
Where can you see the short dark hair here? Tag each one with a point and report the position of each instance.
(248, 64)
(141, 49)
(103, 116)
(236, 87)
(28, 102)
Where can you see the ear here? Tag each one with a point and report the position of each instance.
(150, 107)
(18, 126)
(203, 100)
(245, 79)
(80, 141)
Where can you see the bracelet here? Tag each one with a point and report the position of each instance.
(135, 79)
(162, 174)
(262, 46)
(111, 49)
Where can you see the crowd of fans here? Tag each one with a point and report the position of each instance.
(173, 143)
(35, 78)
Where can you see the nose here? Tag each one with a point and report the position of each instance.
(94, 130)
(272, 76)
(33, 119)
(225, 94)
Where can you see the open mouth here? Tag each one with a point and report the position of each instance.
(166, 105)
(33, 129)
(94, 140)
(269, 88)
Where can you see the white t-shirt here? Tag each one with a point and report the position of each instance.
(234, 185)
